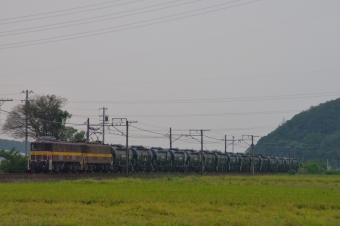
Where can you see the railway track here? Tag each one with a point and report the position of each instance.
(31, 177)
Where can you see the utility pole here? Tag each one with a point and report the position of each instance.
(2, 101)
(121, 122)
(170, 139)
(233, 144)
(105, 119)
(201, 131)
(27, 102)
(127, 149)
(225, 144)
(88, 130)
(252, 149)
(202, 151)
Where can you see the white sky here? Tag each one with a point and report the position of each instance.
(234, 67)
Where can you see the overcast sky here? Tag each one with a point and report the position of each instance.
(233, 67)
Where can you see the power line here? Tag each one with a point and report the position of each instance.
(219, 139)
(275, 26)
(215, 114)
(51, 25)
(82, 34)
(14, 18)
(169, 81)
(147, 130)
(232, 99)
(9, 94)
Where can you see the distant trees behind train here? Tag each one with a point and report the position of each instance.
(311, 134)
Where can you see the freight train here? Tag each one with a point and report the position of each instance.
(49, 155)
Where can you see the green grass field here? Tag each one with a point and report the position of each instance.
(227, 200)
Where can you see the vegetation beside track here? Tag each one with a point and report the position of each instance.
(170, 200)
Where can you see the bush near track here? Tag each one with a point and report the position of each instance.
(193, 200)
(13, 161)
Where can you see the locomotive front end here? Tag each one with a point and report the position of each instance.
(40, 157)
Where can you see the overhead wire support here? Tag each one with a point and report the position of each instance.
(170, 136)
(252, 148)
(88, 130)
(105, 119)
(2, 101)
(179, 136)
(232, 143)
(201, 134)
(225, 142)
(121, 122)
(27, 103)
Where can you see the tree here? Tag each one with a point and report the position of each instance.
(72, 134)
(45, 118)
(80, 136)
(13, 161)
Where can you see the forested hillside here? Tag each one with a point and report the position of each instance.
(314, 133)
(9, 144)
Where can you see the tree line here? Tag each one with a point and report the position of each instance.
(311, 134)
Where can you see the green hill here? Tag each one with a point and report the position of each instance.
(314, 133)
(9, 144)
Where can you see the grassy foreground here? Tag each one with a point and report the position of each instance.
(227, 200)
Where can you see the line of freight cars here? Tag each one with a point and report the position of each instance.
(65, 157)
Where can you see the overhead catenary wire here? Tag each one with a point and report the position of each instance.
(9, 94)
(22, 30)
(217, 100)
(173, 81)
(231, 99)
(64, 10)
(105, 30)
(147, 130)
(287, 23)
(219, 139)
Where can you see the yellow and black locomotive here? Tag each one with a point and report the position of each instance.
(48, 155)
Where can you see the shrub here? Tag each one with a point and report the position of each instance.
(313, 166)
(13, 162)
(333, 172)
(291, 172)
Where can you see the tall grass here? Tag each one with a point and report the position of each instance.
(265, 200)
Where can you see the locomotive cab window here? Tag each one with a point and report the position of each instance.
(37, 147)
(48, 147)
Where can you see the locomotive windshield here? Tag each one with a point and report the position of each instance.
(41, 147)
